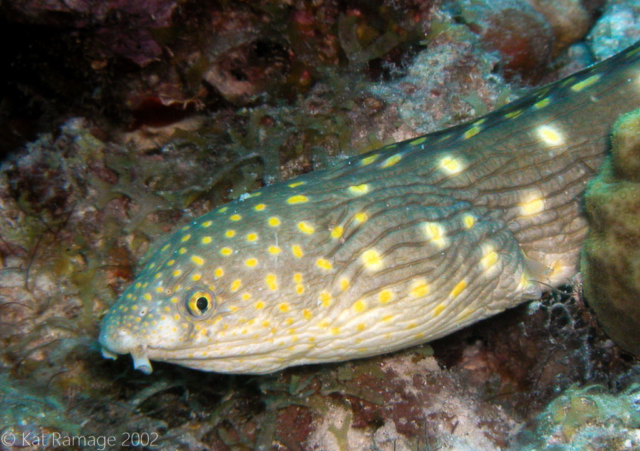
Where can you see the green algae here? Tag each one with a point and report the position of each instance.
(587, 418)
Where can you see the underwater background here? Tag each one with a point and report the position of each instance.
(122, 121)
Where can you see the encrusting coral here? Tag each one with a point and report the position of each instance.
(611, 257)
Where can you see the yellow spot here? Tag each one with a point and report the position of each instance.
(306, 313)
(158, 275)
(206, 240)
(226, 251)
(324, 263)
(585, 83)
(385, 296)
(368, 160)
(251, 262)
(223, 210)
(469, 221)
(207, 224)
(299, 288)
(273, 221)
(185, 238)
(252, 237)
(335, 330)
(260, 207)
(182, 250)
(259, 306)
(451, 165)
(438, 310)
(436, 233)
(246, 297)
(524, 280)
(296, 184)
(147, 296)
(388, 318)
(337, 232)
(417, 142)
(391, 161)
(514, 114)
(359, 190)
(174, 300)
(297, 277)
(197, 260)
(419, 288)
(275, 250)
(165, 247)
(230, 233)
(473, 131)
(542, 103)
(196, 277)
(557, 268)
(272, 282)
(306, 228)
(360, 217)
(325, 298)
(344, 283)
(550, 135)
(297, 251)
(235, 217)
(171, 262)
(371, 259)
(359, 306)
(465, 314)
(361, 327)
(532, 206)
(458, 288)
(219, 272)
(235, 285)
(283, 307)
(489, 256)
(299, 199)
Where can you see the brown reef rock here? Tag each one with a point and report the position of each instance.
(611, 255)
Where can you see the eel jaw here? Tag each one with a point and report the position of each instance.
(118, 340)
(141, 360)
(139, 354)
(108, 354)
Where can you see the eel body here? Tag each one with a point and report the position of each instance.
(396, 247)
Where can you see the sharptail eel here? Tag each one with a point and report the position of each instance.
(396, 247)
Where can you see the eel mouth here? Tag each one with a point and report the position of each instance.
(108, 354)
(139, 355)
(141, 360)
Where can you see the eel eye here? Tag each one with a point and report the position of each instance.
(200, 303)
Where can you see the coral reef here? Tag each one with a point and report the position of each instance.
(611, 257)
(587, 418)
(127, 119)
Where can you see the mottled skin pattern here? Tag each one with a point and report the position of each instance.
(393, 248)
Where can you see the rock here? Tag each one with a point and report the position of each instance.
(611, 255)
